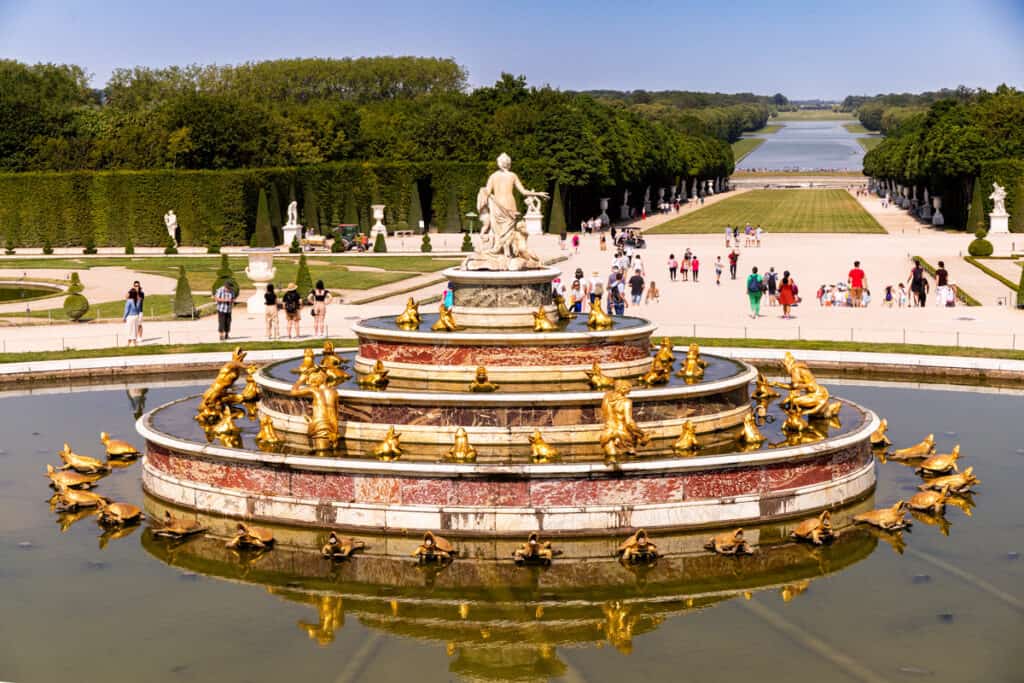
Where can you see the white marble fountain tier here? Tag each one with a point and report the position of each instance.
(501, 299)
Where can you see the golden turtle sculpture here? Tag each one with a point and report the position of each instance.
(72, 479)
(118, 449)
(817, 530)
(177, 527)
(340, 548)
(961, 482)
(118, 514)
(249, 537)
(940, 464)
(930, 501)
(535, 551)
(80, 463)
(435, 549)
(921, 449)
(890, 518)
(638, 548)
(878, 437)
(67, 499)
(729, 543)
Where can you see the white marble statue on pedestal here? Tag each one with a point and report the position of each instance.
(503, 231)
(647, 200)
(998, 219)
(624, 209)
(292, 230)
(171, 221)
(534, 217)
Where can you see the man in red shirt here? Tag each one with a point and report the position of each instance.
(857, 281)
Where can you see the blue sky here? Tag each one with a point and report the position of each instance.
(800, 48)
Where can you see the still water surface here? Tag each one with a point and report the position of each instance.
(807, 145)
(81, 606)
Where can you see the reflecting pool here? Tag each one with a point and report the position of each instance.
(124, 606)
(807, 145)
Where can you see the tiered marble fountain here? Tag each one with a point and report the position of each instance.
(542, 386)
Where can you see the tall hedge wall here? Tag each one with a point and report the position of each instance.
(219, 207)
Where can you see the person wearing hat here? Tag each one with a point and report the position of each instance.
(292, 309)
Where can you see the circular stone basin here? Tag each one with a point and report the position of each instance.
(15, 291)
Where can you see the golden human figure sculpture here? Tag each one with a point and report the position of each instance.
(687, 441)
(481, 383)
(331, 363)
(621, 435)
(213, 397)
(563, 311)
(332, 620)
(267, 434)
(693, 366)
(409, 319)
(665, 353)
(597, 379)
(804, 391)
(462, 450)
(541, 321)
(598, 319)
(376, 378)
(764, 391)
(323, 425)
(659, 373)
(390, 448)
(445, 321)
(540, 450)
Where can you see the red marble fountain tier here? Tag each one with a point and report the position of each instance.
(531, 355)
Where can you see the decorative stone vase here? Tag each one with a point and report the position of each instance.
(260, 271)
(937, 218)
(378, 225)
(605, 220)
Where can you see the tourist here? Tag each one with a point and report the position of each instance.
(652, 294)
(918, 287)
(686, 265)
(604, 243)
(772, 281)
(728, 236)
(636, 286)
(617, 296)
(448, 297)
(638, 264)
(319, 297)
(576, 243)
(943, 292)
(271, 314)
(718, 270)
(736, 237)
(595, 289)
(131, 317)
(787, 294)
(576, 296)
(137, 286)
(889, 297)
(673, 266)
(866, 299)
(292, 309)
(857, 281)
(583, 225)
(755, 290)
(902, 301)
(695, 267)
(225, 298)
(734, 259)
(757, 235)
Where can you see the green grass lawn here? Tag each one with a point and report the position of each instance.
(869, 143)
(778, 211)
(767, 130)
(745, 146)
(855, 128)
(814, 115)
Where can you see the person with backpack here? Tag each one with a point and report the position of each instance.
(755, 290)
(772, 280)
(292, 309)
(617, 296)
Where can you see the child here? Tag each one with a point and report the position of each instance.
(902, 296)
(718, 270)
(652, 294)
(887, 302)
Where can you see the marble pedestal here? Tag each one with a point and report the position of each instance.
(484, 298)
(290, 233)
(999, 223)
(534, 223)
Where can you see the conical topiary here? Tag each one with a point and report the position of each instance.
(90, 245)
(183, 304)
(452, 219)
(303, 280)
(9, 244)
(1020, 290)
(129, 245)
(380, 245)
(47, 247)
(467, 242)
(415, 214)
(274, 204)
(556, 222)
(350, 215)
(976, 213)
(225, 276)
(425, 245)
(169, 247)
(264, 234)
(295, 247)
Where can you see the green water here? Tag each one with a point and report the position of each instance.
(23, 293)
(950, 608)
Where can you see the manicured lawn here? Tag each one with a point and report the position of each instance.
(778, 211)
(814, 115)
(201, 272)
(855, 128)
(870, 143)
(745, 146)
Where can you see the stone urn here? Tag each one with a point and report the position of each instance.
(378, 222)
(937, 218)
(260, 271)
(605, 220)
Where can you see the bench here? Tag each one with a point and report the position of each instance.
(403, 233)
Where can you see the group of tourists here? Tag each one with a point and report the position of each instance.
(690, 265)
(751, 236)
(291, 302)
(780, 290)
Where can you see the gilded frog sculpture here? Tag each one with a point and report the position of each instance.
(878, 437)
(921, 449)
(687, 443)
(249, 537)
(563, 311)
(621, 434)
(541, 321)
(118, 514)
(693, 365)
(462, 450)
(226, 431)
(82, 464)
(376, 378)
(307, 365)
(597, 379)
(729, 543)
(445, 321)
(638, 548)
(795, 422)
(340, 548)
(322, 426)
(540, 450)
(390, 448)
(961, 482)
(890, 518)
(535, 551)
(598, 319)
(751, 435)
(435, 549)
(481, 383)
(331, 363)
(659, 373)
(409, 319)
(940, 464)
(665, 353)
(118, 449)
(816, 530)
(176, 527)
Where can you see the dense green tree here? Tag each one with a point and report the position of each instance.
(452, 217)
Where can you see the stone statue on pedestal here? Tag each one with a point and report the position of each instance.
(171, 221)
(502, 229)
(293, 213)
(998, 198)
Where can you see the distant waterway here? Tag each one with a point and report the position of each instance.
(806, 146)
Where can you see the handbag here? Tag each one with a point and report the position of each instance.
(796, 290)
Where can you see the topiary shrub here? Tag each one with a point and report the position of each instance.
(169, 247)
(467, 242)
(303, 280)
(184, 307)
(295, 247)
(980, 247)
(75, 285)
(224, 277)
(263, 236)
(212, 248)
(47, 247)
(129, 246)
(425, 245)
(337, 247)
(90, 245)
(75, 304)
(379, 244)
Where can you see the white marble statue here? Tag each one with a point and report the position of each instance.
(625, 197)
(998, 198)
(532, 205)
(293, 213)
(503, 231)
(171, 221)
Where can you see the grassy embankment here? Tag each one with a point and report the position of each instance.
(744, 146)
(778, 211)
